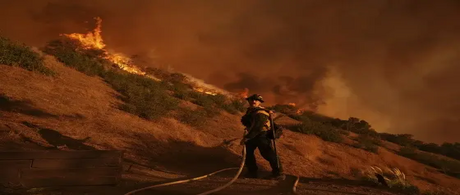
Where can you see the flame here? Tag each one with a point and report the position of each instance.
(244, 94)
(93, 40)
(202, 90)
(203, 87)
(300, 111)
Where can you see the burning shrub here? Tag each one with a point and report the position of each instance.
(146, 95)
(87, 61)
(142, 96)
(15, 54)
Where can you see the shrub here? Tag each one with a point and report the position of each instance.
(176, 78)
(239, 105)
(394, 178)
(451, 150)
(15, 54)
(158, 73)
(284, 108)
(142, 96)
(66, 51)
(357, 126)
(317, 117)
(212, 111)
(346, 133)
(447, 149)
(400, 139)
(195, 118)
(219, 100)
(211, 106)
(447, 166)
(214, 103)
(211, 103)
(325, 132)
(367, 143)
(180, 91)
(339, 123)
(431, 147)
(230, 108)
(202, 99)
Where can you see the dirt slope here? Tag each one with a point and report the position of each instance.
(74, 111)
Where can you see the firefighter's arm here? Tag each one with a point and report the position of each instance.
(260, 119)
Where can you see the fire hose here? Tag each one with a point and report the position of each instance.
(201, 177)
(205, 176)
(240, 169)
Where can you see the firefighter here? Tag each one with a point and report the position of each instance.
(257, 123)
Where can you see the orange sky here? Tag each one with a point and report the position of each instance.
(394, 63)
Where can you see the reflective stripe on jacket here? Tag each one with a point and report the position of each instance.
(260, 122)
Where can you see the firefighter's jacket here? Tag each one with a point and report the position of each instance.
(256, 120)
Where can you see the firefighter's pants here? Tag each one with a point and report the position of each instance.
(266, 150)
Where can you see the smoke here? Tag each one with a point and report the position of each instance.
(394, 63)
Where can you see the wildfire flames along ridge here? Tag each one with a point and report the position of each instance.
(93, 40)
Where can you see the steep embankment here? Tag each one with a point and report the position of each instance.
(73, 111)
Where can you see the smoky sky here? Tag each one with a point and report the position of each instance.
(394, 63)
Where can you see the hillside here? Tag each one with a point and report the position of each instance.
(58, 107)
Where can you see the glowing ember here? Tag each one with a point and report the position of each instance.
(201, 90)
(245, 93)
(291, 104)
(300, 111)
